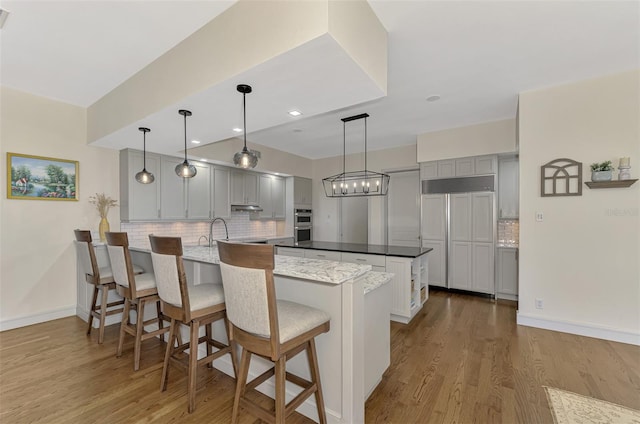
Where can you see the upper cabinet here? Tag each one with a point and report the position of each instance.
(221, 205)
(272, 200)
(302, 192)
(460, 167)
(244, 188)
(508, 192)
(139, 202)
(185, 198)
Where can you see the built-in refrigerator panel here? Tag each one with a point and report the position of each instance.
(434, 236)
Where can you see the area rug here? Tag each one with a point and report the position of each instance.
(572, 408)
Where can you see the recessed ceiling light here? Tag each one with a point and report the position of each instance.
(195, 141)
(203, 159)
(295, 113)
(433, 98)
(297, 130)
(238, 130)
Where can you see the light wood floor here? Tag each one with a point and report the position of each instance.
(462, 359)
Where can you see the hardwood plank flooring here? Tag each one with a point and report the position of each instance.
(462, 359)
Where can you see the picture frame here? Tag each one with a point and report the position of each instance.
(41, 178)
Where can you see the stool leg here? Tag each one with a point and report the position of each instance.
(240, 383)
(137, 347)
(94, 301)
(167, 354)
(233, 351)
(103, 313)
(123, 324)
(312, 356)
(209, 336)
(160, 319)
(280, 393)
(193, 364)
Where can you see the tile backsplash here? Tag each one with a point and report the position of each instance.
(508, 232)
(239, 226)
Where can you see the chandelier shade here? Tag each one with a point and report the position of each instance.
(185, 169)
(363, 183)
(245, 158)
(144, 176)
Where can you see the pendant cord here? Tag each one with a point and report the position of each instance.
(185, 137)
(144, 150)
(344, 150)
(365, 147)
(244, 117)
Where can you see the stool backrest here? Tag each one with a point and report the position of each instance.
(120, 258)
(171, 280)
(87, 255)
(249, 290)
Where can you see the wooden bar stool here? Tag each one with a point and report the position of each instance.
(137, 290)
(274, 329)
(195, 306)
(102, 280)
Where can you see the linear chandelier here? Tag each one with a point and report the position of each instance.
(356, 183)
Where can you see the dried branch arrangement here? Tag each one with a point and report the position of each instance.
(103, 203)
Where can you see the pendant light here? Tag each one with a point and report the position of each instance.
(246, 158)
(144, 176)
(185, 169)
(356, 183)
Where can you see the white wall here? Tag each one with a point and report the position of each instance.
(38, 262)
(583, 260)
(473, 140)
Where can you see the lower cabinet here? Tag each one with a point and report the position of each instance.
(289, 251)
(507, 278)
(327, 255)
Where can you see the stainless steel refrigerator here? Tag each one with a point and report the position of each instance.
(459, 224)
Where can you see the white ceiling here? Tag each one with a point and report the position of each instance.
(477, 55)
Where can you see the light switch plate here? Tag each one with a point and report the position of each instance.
(539, 216)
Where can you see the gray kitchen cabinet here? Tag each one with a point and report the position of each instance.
(482, 278)
(139, 202)
(302, 192)
(508, 188)
(434, 207)
(199, 193)
(459, 167)
(221, 206)
(172, 190)
(507, 278)
(244, 188)
(461, 260)
(437, 262)
(377, 262)
(185, 198)
(272, 202)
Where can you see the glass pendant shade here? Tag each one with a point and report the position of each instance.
(356, 183)
(185, 169)
(144, 176)
(245, 158)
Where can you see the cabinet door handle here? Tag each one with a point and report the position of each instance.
(158, 213)
(361, 260)
(321, 256)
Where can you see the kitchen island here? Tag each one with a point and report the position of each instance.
(355, 297)
(409, 265)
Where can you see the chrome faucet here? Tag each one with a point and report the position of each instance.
(201, 237)
(211, 230)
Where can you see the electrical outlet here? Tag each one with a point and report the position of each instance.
(539, 304)
(539, 216)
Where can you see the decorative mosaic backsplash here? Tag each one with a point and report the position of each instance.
(239, 226)
(508, 232)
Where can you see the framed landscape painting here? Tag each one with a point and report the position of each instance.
(41, 178)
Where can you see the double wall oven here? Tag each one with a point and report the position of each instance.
(302, 225)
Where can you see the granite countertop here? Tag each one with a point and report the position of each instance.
(370, 249)
(374, 279)
(286, 266)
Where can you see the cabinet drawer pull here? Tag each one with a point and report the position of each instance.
(322, 256)
(361, 260)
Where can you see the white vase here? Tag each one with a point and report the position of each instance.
(601, 175)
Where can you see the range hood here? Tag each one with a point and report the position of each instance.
(246, 208)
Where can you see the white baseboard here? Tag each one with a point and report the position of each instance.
(23, 321)
(581, 329)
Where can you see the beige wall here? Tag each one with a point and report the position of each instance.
(583, 260)
(474, 140)
(38, 263)
(326, 209)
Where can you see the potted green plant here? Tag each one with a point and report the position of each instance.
(601, 171)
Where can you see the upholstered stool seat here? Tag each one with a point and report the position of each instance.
(101, 277)
(192, 305)
(273, 329)
(137, 290)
